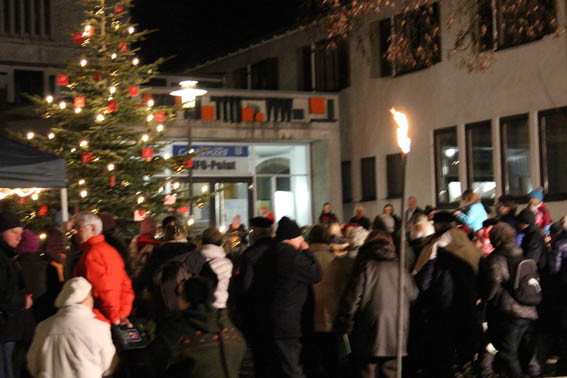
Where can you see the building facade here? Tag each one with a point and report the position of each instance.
(499, 131)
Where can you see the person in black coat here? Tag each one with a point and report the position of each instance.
(13, 294)
(360, 218)
(369, 308)
(533, 242)
(283, 280)
(327, 216)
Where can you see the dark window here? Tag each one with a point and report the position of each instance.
(52, 83)
(240, 78)
(37, 17)
(27, 16)
(283, 184)
(47, 16)
(17, 17)
(480, 157)
(346, 181)
(156, 82)
(265, 74)
(410, 41)
(3, 88)
(516, 22)
(27, 82)
(394, 172)
(447, 163)
(515, 149)
(368, 178)
(553, 157)
(331, 66)
(304, 67)
(163, 99)
(7, 18)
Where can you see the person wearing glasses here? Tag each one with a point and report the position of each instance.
(103, 267)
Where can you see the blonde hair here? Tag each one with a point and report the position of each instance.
(335, 229)
(469, 196)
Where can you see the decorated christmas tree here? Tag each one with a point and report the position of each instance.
(107, 128)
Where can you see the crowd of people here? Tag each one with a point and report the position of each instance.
(482, 295)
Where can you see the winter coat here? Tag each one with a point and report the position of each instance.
(362, 221)
(295, 272)
(369, 307)
(326, 302)
(198, 343)
(558, 263)
(473, 216)
(13, 325)
(253, 286)
(71, 344)
(496, 278)
(222, 267)
(103, 267)
(533, 245)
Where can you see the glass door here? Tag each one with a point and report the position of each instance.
(234, 199)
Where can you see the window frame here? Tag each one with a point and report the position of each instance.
(346, 165)
(372, 197)
(503, 155)
(436, 132)
(469, 156)
(560, 196)
(389, 159)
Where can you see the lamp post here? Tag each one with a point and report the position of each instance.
(404, 142)
(188, 94)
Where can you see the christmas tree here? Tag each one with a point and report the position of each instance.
(108, 130)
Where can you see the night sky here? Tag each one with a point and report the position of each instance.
(196, 30)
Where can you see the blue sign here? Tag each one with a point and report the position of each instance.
(213, 151)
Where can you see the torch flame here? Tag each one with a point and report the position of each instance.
(403, 140)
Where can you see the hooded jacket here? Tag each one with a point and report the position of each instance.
(222, 266)
(103, 267)
(496, 277)
(369, 306)
(71, 344)
(197, 343)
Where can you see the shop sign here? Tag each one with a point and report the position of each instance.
(218, 160)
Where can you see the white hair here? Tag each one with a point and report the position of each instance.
(357, 236)
(88, 218)
(358, 208)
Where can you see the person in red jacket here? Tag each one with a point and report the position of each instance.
(103, 267)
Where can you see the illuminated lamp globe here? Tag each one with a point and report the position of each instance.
(188, 93)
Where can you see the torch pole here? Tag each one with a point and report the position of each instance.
(402, 269)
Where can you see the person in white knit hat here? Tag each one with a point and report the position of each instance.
(72, 343)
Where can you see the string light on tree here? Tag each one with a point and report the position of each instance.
(42, 236)
(110, 167)
(112, 90)
(30, 135)
(205, 189)
(82, 182)
(83, 62)
(145, 138)
(175, 185)
(100, 117)
(62, 105)
(84, 193)
(135, 61)
(84, 143)
(150, 117)
(190, 221)
(35, 196)
(50, 135)
(73, 149)
(140, 200)
(113, 56)
(49, 99)
(78, 110)
(131, 30)
(150, 102)
(166, 155)
(159, 128)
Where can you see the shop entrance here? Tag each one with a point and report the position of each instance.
(222, 207)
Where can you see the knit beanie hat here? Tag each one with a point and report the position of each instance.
(8, 221)
(287, 229)
(74, 291)
(29, 243)
(537, 194)
(148, 226)
(526, 216)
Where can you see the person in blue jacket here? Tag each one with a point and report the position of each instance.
(474, 213)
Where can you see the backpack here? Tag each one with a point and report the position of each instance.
(524, 283)
(166, 279)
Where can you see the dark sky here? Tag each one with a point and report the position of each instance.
(194, 30)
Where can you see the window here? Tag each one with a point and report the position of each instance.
(47, 16)
(156, 82)
(553, 158)
(7, 18)
(26, 17)
(37, 17)
(516, 22)
(394, 172)
(410, 41)
(27, 82)
(480, 152)
(331, 67)
(265, 74)
(516, 167)
(447, 163)
(3, 88)
(17, 17)
(368, 178)
(346, 181)
(240, 78)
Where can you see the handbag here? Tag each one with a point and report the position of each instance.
(128, 338)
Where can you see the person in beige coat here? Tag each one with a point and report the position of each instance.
(72, 343)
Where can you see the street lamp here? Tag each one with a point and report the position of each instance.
(188, 94)
(404, 142)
